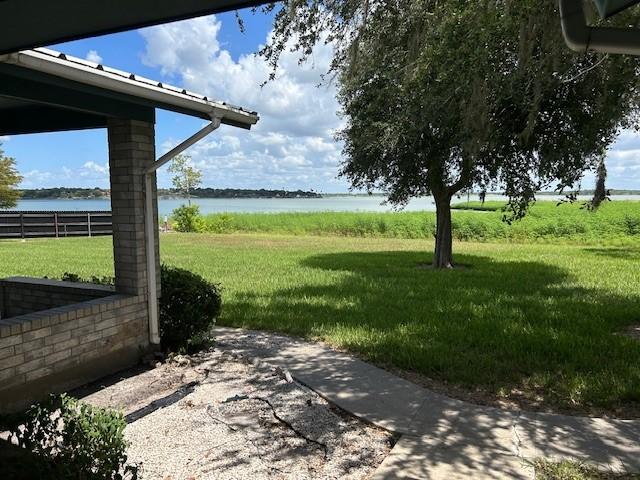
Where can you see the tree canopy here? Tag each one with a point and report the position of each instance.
(441, 96)
(9, 180)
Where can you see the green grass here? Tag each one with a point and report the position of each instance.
(567, 470)
(614, 223)
(536, 321)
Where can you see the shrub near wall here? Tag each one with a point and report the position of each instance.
(189, 306)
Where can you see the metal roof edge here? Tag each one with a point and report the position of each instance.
(89, 73)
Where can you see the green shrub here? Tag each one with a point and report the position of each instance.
(187, 218)
(75, 441)
(74, 277)
(189, 306)
(220, 223)
(632, 224)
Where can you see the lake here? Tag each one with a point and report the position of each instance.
(346, 203)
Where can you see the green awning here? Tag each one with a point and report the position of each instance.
(35, 23)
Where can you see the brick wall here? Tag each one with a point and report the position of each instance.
(22, 295)
(67, 346)
(64, 347)
(131, 152)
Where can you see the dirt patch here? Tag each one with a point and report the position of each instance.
(216, 416)
(429, 266)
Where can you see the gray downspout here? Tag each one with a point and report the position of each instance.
(150, 224)
(581, 37)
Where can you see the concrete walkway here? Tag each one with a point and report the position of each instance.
(442, 437)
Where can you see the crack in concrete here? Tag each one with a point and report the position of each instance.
(515, 439)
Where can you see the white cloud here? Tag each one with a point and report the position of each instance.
(93, 168)
(93, 56)
(292, 146)
(91, 174)
(35, 178)
(623, 163)
(4, 138)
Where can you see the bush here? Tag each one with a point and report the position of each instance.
(220, 223)
(189, 306)
(187, 218)
(75, 278)
(75, 441)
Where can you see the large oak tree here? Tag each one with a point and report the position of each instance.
(446, 95)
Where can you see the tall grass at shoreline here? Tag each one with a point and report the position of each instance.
(615, 222)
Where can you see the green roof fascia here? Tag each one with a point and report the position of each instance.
(607, 8)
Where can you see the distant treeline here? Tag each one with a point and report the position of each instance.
(64, 192)
(67, 193)
(242, 193)
(590, 192)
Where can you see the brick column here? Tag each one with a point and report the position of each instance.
(131, 151)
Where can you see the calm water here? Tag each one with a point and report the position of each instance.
(272, 205)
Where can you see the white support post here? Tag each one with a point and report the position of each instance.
(152, 296)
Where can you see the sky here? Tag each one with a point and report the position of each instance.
(293, 145)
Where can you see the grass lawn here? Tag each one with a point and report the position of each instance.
(534, 323)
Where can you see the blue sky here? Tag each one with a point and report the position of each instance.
(292, 146)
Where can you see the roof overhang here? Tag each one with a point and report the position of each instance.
(35, 23)
(607, 8)
(44, 91)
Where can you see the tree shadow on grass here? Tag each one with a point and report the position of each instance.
(498, 326)
(623, 253)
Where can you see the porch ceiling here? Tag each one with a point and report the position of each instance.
(35, 23)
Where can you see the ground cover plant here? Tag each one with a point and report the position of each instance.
(568, 470)
(617, 222)
(71, 440)
(537, 324)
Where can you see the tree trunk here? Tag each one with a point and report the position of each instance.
(443, 257)
(600, 193)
